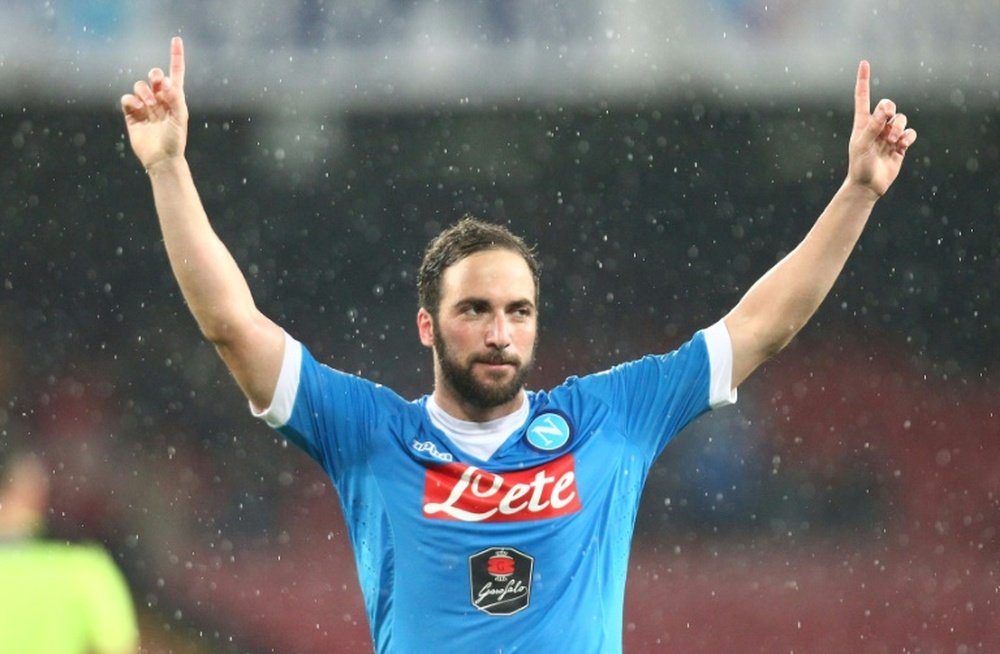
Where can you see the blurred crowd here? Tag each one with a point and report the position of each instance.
(857, 480)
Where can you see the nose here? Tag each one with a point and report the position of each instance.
(498, 333)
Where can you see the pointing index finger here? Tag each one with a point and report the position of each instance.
(177, 62)
(862, 95)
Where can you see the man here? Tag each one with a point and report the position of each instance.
(56, 598)
(485, 517)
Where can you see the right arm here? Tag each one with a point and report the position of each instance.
(216, 292)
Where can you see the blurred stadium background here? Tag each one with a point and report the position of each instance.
(661, 155)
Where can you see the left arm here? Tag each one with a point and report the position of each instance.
(780, 303)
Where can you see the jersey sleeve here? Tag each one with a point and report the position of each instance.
(326, 412)
(658, 395)
(720, 358)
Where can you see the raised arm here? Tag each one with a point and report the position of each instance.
(251, 345)
(778, 305)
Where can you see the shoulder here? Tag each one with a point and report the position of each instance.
(73, 559)
(303, 377)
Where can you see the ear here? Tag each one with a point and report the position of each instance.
(425, 327)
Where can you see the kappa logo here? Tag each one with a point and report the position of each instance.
(500, 580)
(549, 431)
(431, 448)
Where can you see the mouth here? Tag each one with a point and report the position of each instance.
(497, 360)
(496, 365)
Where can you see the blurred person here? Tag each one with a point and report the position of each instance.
(55, 597)
(483, 516)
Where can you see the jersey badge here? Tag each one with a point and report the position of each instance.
(549, 431)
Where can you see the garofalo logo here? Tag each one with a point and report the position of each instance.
(500, 579)
(455, 491)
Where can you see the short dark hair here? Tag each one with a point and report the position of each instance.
(468, 236)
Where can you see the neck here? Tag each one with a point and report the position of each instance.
(454, 406)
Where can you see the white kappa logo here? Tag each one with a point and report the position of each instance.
(431, 448)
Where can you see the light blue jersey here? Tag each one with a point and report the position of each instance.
(524, 552)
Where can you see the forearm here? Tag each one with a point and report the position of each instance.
(252, 346)
(210, 280)
(780, 303)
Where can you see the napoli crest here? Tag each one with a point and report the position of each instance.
(549, 431)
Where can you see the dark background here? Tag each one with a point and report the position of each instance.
(662, 156)
(851, 497)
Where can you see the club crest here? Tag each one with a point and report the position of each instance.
(549, 432)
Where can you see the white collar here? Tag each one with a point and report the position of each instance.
(480, 439)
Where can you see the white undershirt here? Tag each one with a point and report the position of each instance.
(480, 439)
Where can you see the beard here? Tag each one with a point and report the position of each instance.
(460, 377)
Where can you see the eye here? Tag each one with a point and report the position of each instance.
(523, 312)
(473, 309)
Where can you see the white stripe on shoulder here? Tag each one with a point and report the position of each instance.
(280, 411)
(720, 360)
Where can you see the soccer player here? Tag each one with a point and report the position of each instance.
(485, 517)
(57, 598)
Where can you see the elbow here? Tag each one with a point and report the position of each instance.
(780, 338)
(770, 329)
(218, 335)
(761, 339)
(225, 329)
(777, 337)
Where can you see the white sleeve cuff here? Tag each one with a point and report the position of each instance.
(283, 400)
(720, 360)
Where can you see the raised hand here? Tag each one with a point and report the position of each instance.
(879, 139)
(156, 114)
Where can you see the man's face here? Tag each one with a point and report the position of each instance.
(484, 334)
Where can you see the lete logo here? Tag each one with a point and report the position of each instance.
(453, 491)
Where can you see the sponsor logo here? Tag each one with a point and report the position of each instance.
(549, 431)
(455, 491)
(430, 448)
(500, 580)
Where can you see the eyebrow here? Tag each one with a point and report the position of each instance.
(521, 304)
(483, 302)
